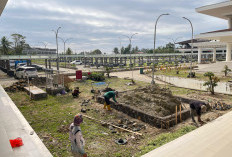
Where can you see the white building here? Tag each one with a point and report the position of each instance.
(221, 38)
(39, 51)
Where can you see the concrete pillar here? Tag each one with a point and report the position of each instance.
(46, 63)
(8, 65)
(214, 55)
(199, 55)
(49, 63)
(228, 52)
(230, 23)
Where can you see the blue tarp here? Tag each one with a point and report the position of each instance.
(99, 83)
(17, 62)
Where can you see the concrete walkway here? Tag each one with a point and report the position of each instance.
(136, 75)
(211, 140)
(213, 67)
(13, 125)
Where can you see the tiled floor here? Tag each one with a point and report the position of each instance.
(13, 125)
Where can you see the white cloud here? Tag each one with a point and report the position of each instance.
(98, 24)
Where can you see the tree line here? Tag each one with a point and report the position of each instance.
(17, 43)
(168, 48)
(13, 47)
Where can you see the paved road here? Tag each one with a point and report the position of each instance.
(213, 67)
(136, 75)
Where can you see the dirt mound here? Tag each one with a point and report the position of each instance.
(152, 100)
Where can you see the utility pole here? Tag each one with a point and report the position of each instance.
(153, 69)
(57, 61)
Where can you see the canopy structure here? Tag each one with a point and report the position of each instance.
(2, 5)
(224, 11)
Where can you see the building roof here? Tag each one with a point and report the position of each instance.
(222, 30)
(224, 35)
(2, 5)
(221, 10)
(194, 41)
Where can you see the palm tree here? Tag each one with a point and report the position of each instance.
(5, 45)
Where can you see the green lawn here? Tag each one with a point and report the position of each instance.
(51, 117)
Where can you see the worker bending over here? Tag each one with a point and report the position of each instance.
(108, 96)
(199, 107)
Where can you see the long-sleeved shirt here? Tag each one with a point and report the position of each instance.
(110, 94)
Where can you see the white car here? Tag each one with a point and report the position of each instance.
(77, 62)
(26, 72)
(20, 65)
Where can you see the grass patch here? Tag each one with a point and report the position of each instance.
(163, 139)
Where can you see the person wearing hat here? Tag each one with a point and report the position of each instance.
(76, 138)
(107, 97)
(199, 107)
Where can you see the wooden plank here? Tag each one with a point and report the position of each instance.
(100, 121)
(176, 115)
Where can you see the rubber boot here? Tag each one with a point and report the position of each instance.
(105, 105)
(108, 107)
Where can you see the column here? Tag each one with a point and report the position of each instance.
(49, 63)
(214, 55)
(199, 55)
(230, 22)
(228, 52)
(46, 63)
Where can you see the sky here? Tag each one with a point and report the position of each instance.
(104, 24)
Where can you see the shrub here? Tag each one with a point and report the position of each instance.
(97, 76)
(226, 70)
(212, 82)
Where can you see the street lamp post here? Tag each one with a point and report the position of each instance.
(56, 33)
(174, 42)
(120, 45)
(153, 69)
(130, 38)
(190, 75)
(64, 41)
(45, 44)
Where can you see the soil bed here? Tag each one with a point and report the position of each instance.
(152, 100)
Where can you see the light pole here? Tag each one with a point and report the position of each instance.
(45, 44)
(64, 41)
(120, 45)
(153, 69)
(190, 75)
(130, 38)
(174, 42)
(57, 62)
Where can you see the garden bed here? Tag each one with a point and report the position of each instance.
(153, 105)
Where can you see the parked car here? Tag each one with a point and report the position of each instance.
(38, 68)
(77, 62)
(20, 65)
(12, 63)
(26, 72)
